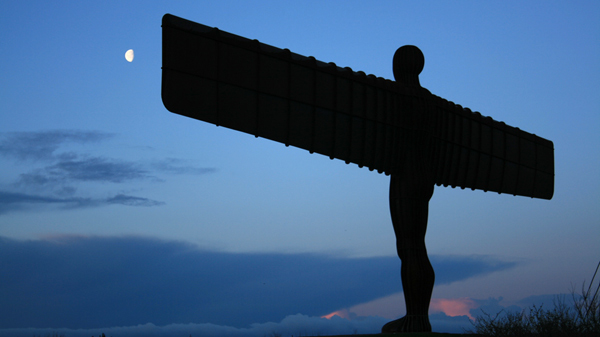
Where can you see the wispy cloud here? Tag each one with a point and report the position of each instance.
(60, 174)
(178, 166)
(82, 282)
(98, 169)
(42, 145)
(133, 201)
(64, 173)
(10, 201)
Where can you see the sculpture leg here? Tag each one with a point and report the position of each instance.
(409, 205)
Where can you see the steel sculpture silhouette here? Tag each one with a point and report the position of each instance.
(397, 128)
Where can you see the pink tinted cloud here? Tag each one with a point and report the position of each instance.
(453, 306)
(343, 313)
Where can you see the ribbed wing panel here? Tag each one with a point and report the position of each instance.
(258, 89)
(477, 152)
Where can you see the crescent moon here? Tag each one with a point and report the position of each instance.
(129, 55)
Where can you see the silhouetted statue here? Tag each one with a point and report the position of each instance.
(397, 128)
(411, 187)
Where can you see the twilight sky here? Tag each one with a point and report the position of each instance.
(119, 216)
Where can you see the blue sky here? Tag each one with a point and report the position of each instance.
(108, 197)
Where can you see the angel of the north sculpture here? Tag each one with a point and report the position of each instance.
(393, 127)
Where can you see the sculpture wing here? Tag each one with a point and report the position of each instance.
(477, 152)
(245, 85)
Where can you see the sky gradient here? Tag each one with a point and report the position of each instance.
(117, 214)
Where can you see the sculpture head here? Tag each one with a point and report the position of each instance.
(408, 63)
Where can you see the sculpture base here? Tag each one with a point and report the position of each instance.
(408, 323)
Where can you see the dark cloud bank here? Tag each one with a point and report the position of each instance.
(100, 282)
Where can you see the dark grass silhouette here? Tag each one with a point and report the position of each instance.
(581, 319)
